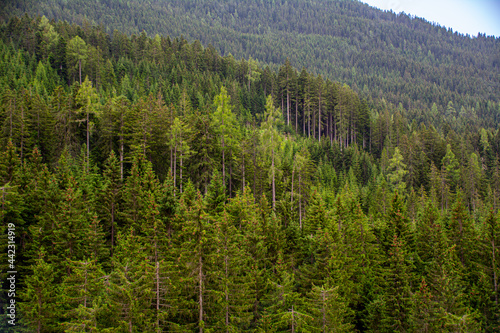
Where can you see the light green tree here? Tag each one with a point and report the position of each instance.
(224, 120)
(88, 100)
(271, 141)
(397, 171)
(76, 52)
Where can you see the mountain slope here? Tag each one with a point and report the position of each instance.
(406, 60)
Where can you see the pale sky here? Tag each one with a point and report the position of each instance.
(463, 16)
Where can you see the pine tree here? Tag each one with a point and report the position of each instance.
(284, 307)
(76, 54)
(328, 310)
(229, 282)
(397, 171)
(271, 141)
(397, 296)
(461, 233)
(81, 291)
(224, 119)
(424, 314)
(194, 243)
(110, 198)
(450, 165)
(215, 198)
(130, 286)
(40, 306)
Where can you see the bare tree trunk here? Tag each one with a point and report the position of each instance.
(226, 288)
(296, 112)
(494, 271)
(175, 168)
(121, 147)
(22, 132)
(112, 227)
(88, 140)
(319, 115)
(230, 173)
(323, 310)
(300, 203)
(274, 186)
(200, 292)
(303, 118)
(157, 291)
(180, 182)
(287, 105)
(85, 286)
(223, 158)
(243, 173)
(291, 196)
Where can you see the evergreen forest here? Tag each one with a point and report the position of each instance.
(159, 184)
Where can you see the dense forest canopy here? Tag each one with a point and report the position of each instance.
(399, 58)
(156, 185)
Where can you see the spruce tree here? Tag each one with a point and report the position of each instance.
(81, 295)
(129, 288)
(40, 307)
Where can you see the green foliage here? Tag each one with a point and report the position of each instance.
(360, 217)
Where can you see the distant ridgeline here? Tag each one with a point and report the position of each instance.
(154, 185)
(386, 57)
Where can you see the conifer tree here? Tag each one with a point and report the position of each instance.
(398, 304)
(328, 310)
(110, 198)
(194, 242)
(284, 307)
(81, 295)
(40, 306)
(271, 141)
(130, 286)
(397, 171)
(230, 282)
(461, 233)
(450, 165)
(76, 54)
(224, 120)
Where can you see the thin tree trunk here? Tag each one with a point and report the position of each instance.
(122, 148)
(323, 310)
(157, 290)
(494, 271)
(226, 288)
(230, 173)
(243, 172)
(300, 203)
(303, 118)
(291, 196)
(223, 157)
(22, 132)
(175, 168)
(297, 112)
(274, 188)
(287, 105)
(200, 292)
(88, 140)
(319, 115)
(85, 287)
(112, 227)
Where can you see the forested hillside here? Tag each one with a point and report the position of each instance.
(379, 54)
(153, 185)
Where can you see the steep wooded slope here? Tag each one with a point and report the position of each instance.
(402, 59)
